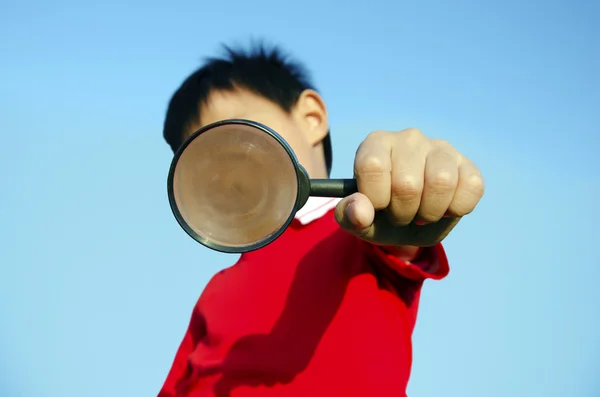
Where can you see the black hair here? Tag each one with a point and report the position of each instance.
(263, 71)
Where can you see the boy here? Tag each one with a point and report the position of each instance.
(327, 309)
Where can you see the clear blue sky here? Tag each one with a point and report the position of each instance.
(97, 280)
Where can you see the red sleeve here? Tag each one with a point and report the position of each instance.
(179, 369)
(431, 263)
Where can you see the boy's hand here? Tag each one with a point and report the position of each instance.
(409, 180)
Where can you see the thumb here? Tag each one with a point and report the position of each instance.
(356, 214)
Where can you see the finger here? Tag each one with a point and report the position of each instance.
(469, 191)
(355, 214)
(440, 182)
(372, 169)
(408, 168)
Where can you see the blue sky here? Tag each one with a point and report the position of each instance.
(97, 280)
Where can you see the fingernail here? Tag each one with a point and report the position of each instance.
(421, 223)
(351, 213)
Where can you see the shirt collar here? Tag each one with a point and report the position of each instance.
(315, 208)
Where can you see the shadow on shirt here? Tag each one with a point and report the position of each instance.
(313, 300)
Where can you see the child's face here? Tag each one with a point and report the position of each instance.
(303, 129)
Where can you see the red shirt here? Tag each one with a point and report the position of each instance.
(316, 313)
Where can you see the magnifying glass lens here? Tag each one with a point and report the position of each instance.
(235, 186)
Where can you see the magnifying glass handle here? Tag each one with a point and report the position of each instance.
(332, 187)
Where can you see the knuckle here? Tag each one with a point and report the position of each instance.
(370, 165)
(413, 132)
(377, 136)
(475, 185)
(406, 187)
(442, 180)
(412, 138)
(471, 191)
(443, 145)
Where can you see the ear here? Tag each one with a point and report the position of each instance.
(310, 112)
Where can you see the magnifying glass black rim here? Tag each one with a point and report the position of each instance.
(180, 218)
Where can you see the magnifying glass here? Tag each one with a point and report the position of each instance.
(235, 186)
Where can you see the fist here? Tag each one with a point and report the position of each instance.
(413, 190)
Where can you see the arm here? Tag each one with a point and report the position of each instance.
(414, 263)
